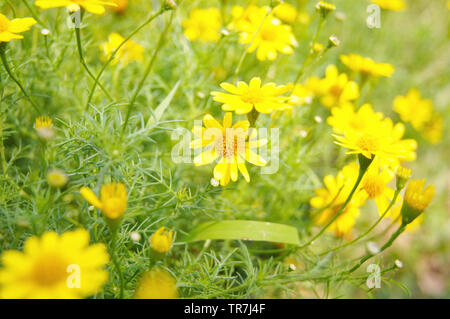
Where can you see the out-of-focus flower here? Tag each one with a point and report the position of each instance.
(92, 6)
(366, 66)
(156, 284)
(244, 98)
(44, 128)
(329, 200)
(266, 33)
(413, 109)
(10, 29)
(301, 95)
(130, 51)
(161, 240)
(416, 200)
(432, 130)
(335, 89)
(54, 266)
(112, 202)
(231, 144)
(203, 25)
(345, 118)
(394, 5)
(121, 7)
(286, 12)
(325, 8)
(57, 178)
(403, 174)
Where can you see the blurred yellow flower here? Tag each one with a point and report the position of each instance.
(286, 12)
(325, 8)
(57, 178)
(130, 51)
(329, 200)
(244, 98)
(345, 118)
(54, 266)
(156, 284)
(416, 199)
(394, 5)
(161, 240)
(301, 95)
(242, 18)
(231, 144)
(413, 109)
(10, 29)
(92, 6)
(432, 130)
(203, 25)
(366, 66)
(335, 89)
(121, 7)
(112, 202)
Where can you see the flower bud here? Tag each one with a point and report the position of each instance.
(416, 200)
(161, 240)
(57, 178)
(403, 175)
(325, 8)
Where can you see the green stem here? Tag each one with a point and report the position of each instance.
(83, 61)
(11, 75)
(2, 146)
(397, 192)
(363, 166)
(311, 50)
(388, 244)
(116, 262)
(33, 14)
(114, 53)
(147, 72)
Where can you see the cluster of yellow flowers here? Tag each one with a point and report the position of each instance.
(259, 27)
(419, 112)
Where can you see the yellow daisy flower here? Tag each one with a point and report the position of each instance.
(203, 25)
(394, 5)
(10, 29)
(286, 12)
(44, 128)
(413, 109)
(112, 202)
(329, 200)
(244, 98)
(335, 89)
(345, 118)
(242, 18)
(92, 6)
(381, 139)
(230, 144)
(156, 284)
(272, 37)
(416, 199)
(130, 51)
(54, 266)
(161, 240)
(375, 185)
(367, 66)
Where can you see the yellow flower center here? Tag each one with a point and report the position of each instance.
(4, 23)
(268, 34)
(252, 96)
(336, 90)
(49, 270)
(368, 143)
(374, 186)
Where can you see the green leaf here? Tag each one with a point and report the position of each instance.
(161, 108)
(245, 230)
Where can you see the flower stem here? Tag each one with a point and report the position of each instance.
(394, 236)
(116, 262)
(83, 61)
(11, 75)
(397, 192)
(363, 166)
(147, 72)
(114, 53)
